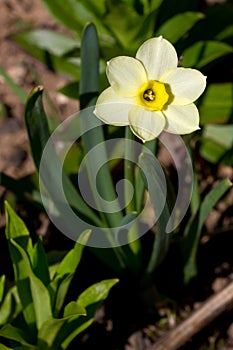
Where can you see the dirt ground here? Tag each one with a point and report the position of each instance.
(15, 15)
(15, 160)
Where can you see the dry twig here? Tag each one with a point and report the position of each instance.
(200, 318)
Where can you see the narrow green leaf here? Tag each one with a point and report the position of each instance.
(19, 335)
(10, 307)
(217, 103)
(38, 132)
(128, 23)
(39, 263)
(211, 151)
(195, 199)
(15, 88)
(74, 309)
(55, 332)
(89, 85)
(193, 230)
(69, 15)
(71, 90)
(40, 299)
(75, 14)
(59, 285)
(49, 332)
(2, 287)
(53, 42)
(226, 33)
(177, 26)
(23, 188)
(71, 260)
(3, 347)
(96, 293)
(90, 299)
(158, 196)
(222, 134)
(67, 64)
(203, 52)
(16, 229)
(139, 182)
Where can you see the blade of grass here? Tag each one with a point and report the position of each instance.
(15, 87)
(193, 230)
(38, 132)
(157, 192)
(89, 86)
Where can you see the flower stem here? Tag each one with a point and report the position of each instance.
(129, 168)
(129, 175)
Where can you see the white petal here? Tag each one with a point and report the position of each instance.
(126, 75)
(186, 84)
(112, 108)
(181, 119)
(146, 124)
(158, 55)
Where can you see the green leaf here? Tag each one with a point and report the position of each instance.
(158, 198)
(226, 33)
(39, 263)
(38, 132)
(49, 332)
(38, 294)
(73, 309)
(139, 181)
(10, 307)
(67, 64)
(203, 52)
(3, 347)
(89, 85)
(193, 229)
(59, 285)
(15, 87)
(30, 288)
(128, 23)
(216, 104)
(216, 141)
(55, 332)
(96, 293)
(90, 299)
(75, 14)
(2, 286)
(24, 188)
(19, 335)
(71, 90)
(53, 42)
(17, 230)
(177, 26)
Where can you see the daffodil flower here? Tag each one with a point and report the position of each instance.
(150, 93)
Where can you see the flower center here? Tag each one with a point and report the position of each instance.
(149, 95)
(153, 95)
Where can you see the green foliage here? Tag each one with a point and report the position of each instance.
(47, 322)
(202, 41)
(38, 132)
(204, 52)
(175, 28)
(217, 144)
(193, 229)
(159, 197)
(17, 90)
(217, 104)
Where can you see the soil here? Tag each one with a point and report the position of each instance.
(125, 325)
